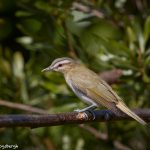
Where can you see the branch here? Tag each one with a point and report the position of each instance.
(104, 136)
(118, 145)
(96, 133)
(35, 121)
(72, 52)
(87, 9)
(22, 107)
(111, 76)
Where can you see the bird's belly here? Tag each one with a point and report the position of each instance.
(79, 93)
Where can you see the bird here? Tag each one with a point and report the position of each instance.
(90, 88)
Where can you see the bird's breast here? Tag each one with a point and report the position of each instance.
(79, 92)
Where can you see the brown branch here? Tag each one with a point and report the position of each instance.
(22, 107)
(119, 146)
(96, 133)
(87, 9)
(35, 121)
(72, 52)
(104, 136)
(111, 76)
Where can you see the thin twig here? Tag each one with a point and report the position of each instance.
(140, 61)
(120, 146)
(22, 107)
(35, 121)
(111, 76)
(96, 133)
(104, 136)
(69, 42)
(87, 9)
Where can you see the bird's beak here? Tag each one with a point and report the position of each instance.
(47, 69)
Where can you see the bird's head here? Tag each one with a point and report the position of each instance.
(63, 65)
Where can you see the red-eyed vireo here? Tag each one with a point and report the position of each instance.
(89, 87)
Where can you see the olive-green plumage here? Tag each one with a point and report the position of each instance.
(87, 85)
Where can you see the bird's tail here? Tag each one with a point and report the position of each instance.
(126, 110)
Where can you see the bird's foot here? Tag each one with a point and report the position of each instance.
(92, 112)
(84, 110)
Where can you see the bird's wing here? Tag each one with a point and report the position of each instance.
(108, 91)
(93, 86)
(100, 92)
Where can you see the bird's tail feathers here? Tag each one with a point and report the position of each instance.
(126, 110)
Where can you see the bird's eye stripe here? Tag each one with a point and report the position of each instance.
(59, 65)
(62, 62)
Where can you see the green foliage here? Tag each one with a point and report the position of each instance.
(35, 32)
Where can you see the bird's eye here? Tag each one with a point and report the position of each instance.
(59, 65)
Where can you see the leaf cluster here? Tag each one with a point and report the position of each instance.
(35, 32)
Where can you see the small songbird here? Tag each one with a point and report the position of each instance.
(89, 87)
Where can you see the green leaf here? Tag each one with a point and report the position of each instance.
(118, 48)
(146, 78)
(147, 61)
(23, 14)
(147, 29)
(55, 89)
(5, 67)
(18, 65)
(43, 6)
(105, 30)
(131, 34)
(73, 27)
(5, 28)
(91, 43)
(138, 31)
(30, 26)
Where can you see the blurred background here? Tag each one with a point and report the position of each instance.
(110, 37)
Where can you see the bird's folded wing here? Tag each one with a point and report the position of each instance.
(97, 90)
(91, 84)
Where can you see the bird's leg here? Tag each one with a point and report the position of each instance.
(91, 107)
